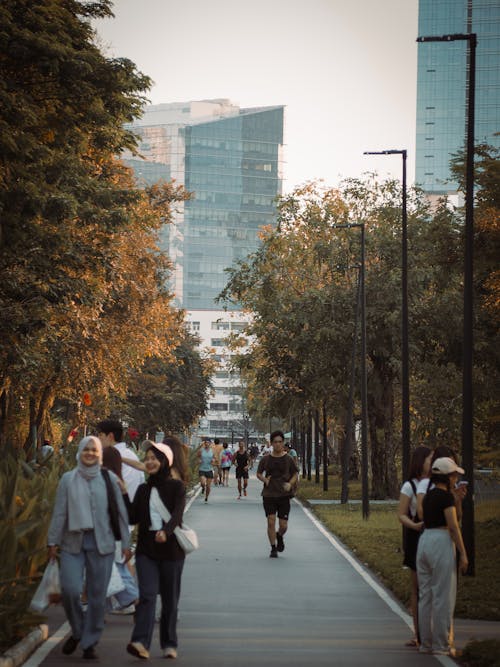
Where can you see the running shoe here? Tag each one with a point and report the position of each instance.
(274, 553)
(280, 545)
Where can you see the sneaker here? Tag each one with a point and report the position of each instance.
(89, 653)
(274, 553)
(124, 611)
(137, 649)
(280, 545)
(170, 652)
(206, 499)
(70, 645)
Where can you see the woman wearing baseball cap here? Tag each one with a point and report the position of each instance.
(436, 571)
(159, 558)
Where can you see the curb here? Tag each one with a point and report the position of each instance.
(21, 651)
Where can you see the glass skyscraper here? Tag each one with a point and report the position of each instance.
(442, 85)
(231, 160)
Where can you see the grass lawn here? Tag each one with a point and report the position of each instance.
(377, 543)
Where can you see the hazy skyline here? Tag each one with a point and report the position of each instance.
(345, 70)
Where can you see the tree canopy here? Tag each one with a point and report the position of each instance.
(301, 288)
(83, 296)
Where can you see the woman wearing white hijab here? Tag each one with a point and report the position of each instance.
(81, 527)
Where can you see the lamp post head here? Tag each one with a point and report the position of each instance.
(470, 37)
(391, 151)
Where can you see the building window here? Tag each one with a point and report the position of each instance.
(218, 407)
(220, 326)
(217, 342)
(195, 326)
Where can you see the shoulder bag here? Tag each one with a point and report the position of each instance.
(114, 517)
(186, 536)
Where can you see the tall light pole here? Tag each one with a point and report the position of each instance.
(468, 339)
(405, 375)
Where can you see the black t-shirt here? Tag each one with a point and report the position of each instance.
(173, 495)
(434, 504)
(241, 459)
(280, 469)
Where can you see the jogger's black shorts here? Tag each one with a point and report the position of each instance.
(279, 506)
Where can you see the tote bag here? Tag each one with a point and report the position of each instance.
(186, 536)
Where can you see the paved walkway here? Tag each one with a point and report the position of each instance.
(314, 605)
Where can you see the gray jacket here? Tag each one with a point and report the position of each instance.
(71, 541)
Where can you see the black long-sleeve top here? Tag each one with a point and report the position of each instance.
(173, 495)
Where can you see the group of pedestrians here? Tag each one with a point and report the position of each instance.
(105, 496)
(94, 509)
(214, 465)
(430, 509)
(277, 470)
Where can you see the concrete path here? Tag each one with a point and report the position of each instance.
(314, 605)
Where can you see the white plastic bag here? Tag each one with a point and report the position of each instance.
(49, 588)
(115, 582)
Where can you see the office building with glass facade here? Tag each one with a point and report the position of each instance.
(231, 160)
(442, 86)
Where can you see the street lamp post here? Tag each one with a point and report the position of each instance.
(468, 339)
(405, 376)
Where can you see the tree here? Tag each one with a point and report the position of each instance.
(486, 296)
(301, 287)
(170, 394)
(82, 281)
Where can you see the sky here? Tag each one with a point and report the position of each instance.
(345, 70)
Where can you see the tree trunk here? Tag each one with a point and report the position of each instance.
(39, 417)
(381, 421)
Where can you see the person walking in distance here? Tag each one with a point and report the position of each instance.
(242, 461)
(206, 457)
(217, 448)
(278, 473)
(226, 460)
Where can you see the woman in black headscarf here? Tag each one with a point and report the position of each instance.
(159, 558)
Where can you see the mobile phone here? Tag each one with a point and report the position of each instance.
(461, 483)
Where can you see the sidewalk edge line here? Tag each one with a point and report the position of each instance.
(367, 576)
(44, 649)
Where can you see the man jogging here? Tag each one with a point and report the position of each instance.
(278, 473)
(241, 460)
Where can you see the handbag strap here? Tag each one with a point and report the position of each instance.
(159, 505)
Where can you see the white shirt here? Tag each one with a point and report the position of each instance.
(132, 477)
(407, 490)
(423, 486)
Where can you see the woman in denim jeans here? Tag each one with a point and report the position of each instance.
(159, 558)
(81, 527)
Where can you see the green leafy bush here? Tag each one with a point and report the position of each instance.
(26, 498)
